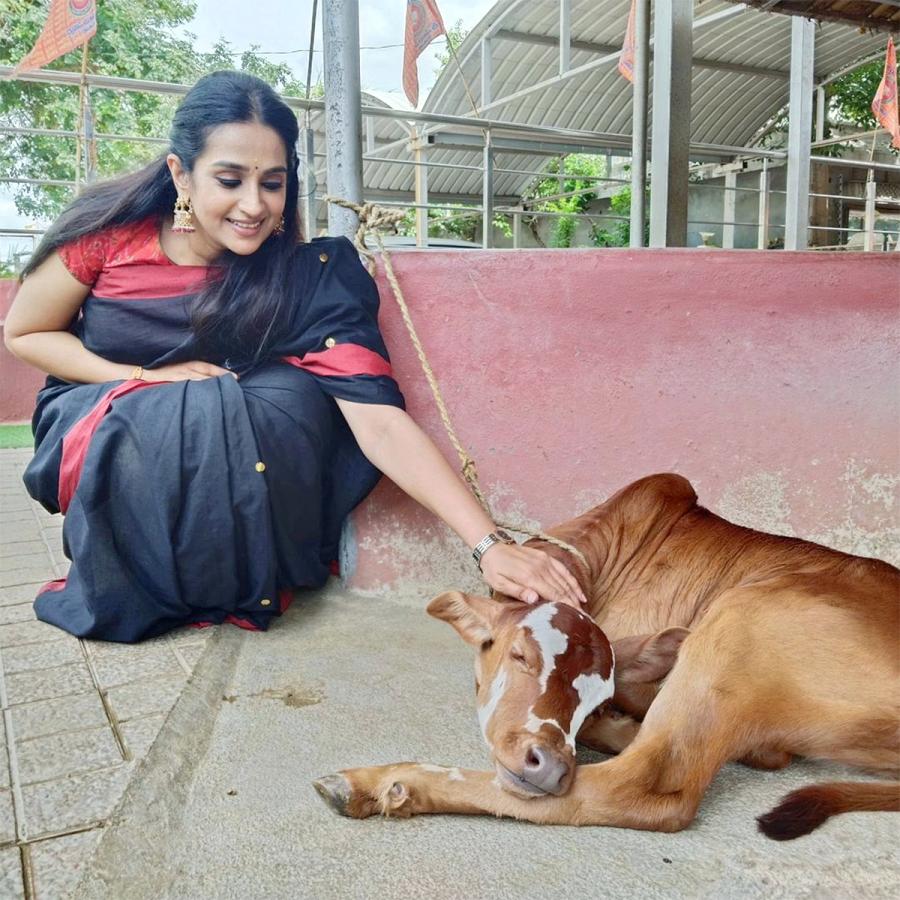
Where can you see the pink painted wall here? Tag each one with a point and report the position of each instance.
(770, 380)
(19, 383)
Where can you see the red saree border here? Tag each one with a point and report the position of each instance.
(341, 360)
(78, 439)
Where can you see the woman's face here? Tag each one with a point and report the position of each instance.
(237, 189)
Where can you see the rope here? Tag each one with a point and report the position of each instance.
(372, 221)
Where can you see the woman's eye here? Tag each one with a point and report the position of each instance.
(272, 185)
(228, 182)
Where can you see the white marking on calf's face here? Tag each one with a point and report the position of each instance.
(551, 641)
(498, 688)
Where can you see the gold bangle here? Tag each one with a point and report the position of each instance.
(137, 373)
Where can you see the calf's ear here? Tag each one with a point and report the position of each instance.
(649, 657)
(473, 617)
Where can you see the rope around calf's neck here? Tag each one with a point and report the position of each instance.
(372, 220)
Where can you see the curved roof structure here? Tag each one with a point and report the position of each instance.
(740, 81)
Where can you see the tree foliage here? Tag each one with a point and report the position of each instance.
(582, 172)
(134, 39)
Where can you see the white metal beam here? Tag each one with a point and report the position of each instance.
(796, 211)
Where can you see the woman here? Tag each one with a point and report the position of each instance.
(219, 397)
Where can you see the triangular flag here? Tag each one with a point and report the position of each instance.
(69, 24)
(884, 105)
(423, 25)
(626, 57)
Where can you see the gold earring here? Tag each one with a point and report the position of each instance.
(183, 221)
(279, 228)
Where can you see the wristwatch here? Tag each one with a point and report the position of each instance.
(495, 537)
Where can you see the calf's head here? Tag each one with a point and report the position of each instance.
(540, 671)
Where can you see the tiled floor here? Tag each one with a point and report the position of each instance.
(78, 716)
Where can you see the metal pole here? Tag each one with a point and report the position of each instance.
(343, 116)
(421, 183)
(796, 210)
(565, 35)
(309, 210)
(487, 201)
(639, 122)
(869, 217)
(820, 113)
(673, 42)
(729, 210)
(763, 238)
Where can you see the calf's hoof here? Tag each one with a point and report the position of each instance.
(335, 790)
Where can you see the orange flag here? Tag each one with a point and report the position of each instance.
(885, 103)
(626, 57)
(69, 24)
(423, 25)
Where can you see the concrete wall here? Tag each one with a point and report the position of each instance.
(771, 380)
(18, 383)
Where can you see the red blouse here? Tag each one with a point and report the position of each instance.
(128, 262)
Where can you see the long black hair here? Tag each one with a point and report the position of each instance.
(241, 313)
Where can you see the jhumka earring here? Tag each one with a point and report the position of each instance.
(183, 222)
(279, 228)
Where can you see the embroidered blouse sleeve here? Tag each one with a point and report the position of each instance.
(86, 256)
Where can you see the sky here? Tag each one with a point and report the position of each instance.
(281, 28)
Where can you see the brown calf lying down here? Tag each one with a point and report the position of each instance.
(777, 647)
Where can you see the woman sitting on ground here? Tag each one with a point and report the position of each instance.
(219, 396)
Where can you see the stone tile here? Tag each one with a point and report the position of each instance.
(28, 575)
(11, 887)
(24, 562)
(145, 697)
(13, 503)
(140, 734)
(7, 817)
(58, 864)
(46, 717)
(45, 684)
(21, 593)
(34, 632)
(47, 655)
(114, 650)
(12, 546)
(18, 612)
(73, 802)
(58, 755)
(116, 670)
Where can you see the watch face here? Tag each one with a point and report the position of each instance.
(505, 536)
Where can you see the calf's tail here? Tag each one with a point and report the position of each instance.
(804, 810)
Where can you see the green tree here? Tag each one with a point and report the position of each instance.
(582, 171)
(134, 39)
(456, 34)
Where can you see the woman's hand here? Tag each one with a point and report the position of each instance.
(186, 371)
(530, 574)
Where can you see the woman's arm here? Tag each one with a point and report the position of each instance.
(393, 443)
(36, 330)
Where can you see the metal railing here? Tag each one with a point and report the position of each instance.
(491, 139)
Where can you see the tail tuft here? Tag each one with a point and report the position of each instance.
(804, 810)
(799, 813)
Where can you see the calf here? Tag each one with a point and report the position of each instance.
(777, 647)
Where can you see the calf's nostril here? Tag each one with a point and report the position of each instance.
(534, 759)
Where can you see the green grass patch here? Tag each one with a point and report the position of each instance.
(15, 437)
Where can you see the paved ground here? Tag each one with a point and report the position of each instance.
(78, 716)
(130, 779)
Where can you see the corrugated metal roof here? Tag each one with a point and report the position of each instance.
(728, 106)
